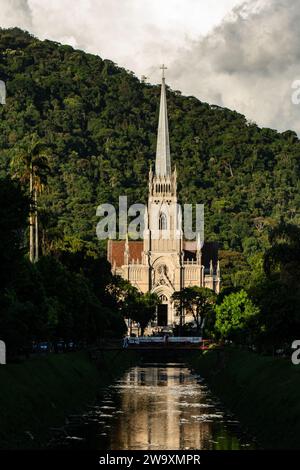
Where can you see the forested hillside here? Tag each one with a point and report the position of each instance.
(78, 131)
(99, 122)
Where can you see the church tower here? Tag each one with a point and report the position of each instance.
(163, 230)
(163, 226)
(164, 262)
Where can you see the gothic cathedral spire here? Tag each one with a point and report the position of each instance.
(165, 262)
(163, 159)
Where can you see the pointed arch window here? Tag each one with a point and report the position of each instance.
(163, 224)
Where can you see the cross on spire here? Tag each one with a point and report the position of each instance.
(163, 68)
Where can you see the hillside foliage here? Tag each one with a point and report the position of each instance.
(77, 131)
(99, 123)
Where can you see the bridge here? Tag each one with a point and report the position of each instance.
(153, 347)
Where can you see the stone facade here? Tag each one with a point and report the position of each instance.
(164, 262)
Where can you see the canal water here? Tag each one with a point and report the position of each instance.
(155, 407)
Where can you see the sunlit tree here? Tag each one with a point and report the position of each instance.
(30, 164)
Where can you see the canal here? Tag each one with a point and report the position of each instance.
(155, 407)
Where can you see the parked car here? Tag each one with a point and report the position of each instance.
(43, 347)
(59, 346)
(71, 345)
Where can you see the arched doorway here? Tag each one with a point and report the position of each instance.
(165, 313)
(162, 311)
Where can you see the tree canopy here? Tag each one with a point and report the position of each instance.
(234, 315)
(197, 301)
(100, 123)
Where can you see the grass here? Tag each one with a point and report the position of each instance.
(40, 393)
(262, 391)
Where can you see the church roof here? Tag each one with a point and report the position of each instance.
(115, 252)
(209, 252)
(116, 248)
(163, 158)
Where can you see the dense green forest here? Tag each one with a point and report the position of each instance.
(62, 296)
(99, 122)
(89, 127)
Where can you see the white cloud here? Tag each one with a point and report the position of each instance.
(248, 63)
(15, 13)
(134, 33)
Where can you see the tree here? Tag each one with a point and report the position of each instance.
(13, 212)
(29, 165)
(279, 317)
(234, 316)
(278, 292)
(197, 301)
(103, 130)
(233, 266)
(132, 304)
(144, 309)
(123, 295)
(282, 259)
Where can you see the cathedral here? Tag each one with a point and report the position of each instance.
(164, 262)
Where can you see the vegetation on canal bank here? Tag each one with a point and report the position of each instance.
(40, 393)
(262, 391)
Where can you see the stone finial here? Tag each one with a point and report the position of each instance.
(126, 250)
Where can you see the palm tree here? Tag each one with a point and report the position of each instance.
(30, 164)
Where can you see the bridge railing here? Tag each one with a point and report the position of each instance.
(162, 340)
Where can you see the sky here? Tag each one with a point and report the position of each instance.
(243, 55)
